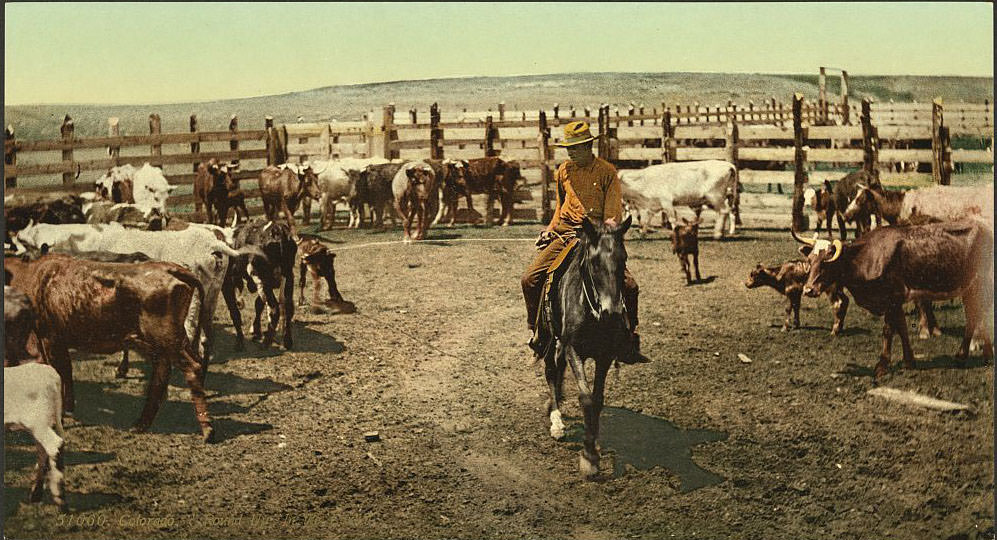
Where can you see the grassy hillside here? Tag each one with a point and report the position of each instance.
(477, 93)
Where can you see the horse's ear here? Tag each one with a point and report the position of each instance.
(588, 229)
(625, 226)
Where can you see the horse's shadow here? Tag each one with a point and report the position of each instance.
(704, 281)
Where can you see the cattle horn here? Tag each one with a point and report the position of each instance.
(838, 248)
(802, 240)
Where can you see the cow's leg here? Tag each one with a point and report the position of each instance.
(302, 269)
(900, 323)
(290, 217)
(49, 446)
(927, 325)
(839, 305)
(156, 391)
(489, 209)
(883, 366)
(410, 222)
(402, 208)
(258, 304)
(684, 265)
(187, 361)
(232, 303)
(792, 309)
(695, 262)
(306, 210)
(209, 212)
(554, 364)
(507, 208)
(198, 205)
(588, 461)
(272, 313)
(60, 360)
(975, 325)
(122, 370)
(723, 214)
(288, 308)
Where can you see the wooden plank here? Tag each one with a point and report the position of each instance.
(904, 154)
(694, 132)
(639, 132)
(834, 132)
(140, 140)
(307, 149)
(971, 156)
(835, 155)
(907, 397)
(756, 132)
(640, 153)
(106, 163)
(887, 133)
(766, 154)
(694, 154)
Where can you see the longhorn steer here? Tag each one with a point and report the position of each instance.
(889, 266)
(660, 188)
(938, 202)
(104, 307)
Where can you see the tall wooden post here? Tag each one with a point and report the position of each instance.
(155, 128)
(490, 133)
(389, 132)
(545, 173)
(195, 146)
(936, 141)
(233, 144)
(946, 158)
(435, 133)
(668, 148)
(732, 143)
(501, 110)
(66, 130)
(603, 148)
(870, 141)
(113, 150)
(10, 153)
(822, 97)
(271, 140)
(630, 115)
(413, 116)
(845, 111)
(800, 158)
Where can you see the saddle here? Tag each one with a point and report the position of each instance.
(543, 337)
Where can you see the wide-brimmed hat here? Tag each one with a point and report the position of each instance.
(576, 133)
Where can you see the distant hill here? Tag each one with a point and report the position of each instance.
(479, 93)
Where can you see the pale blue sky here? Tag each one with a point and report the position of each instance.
(157, 53)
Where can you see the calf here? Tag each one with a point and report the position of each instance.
(371, 186)
(788, 280)
(145, 187)
(844, 191)
(104, 307)
(449, 178)
(822, 202)
(129, 215)
(490, 176)
(32, 402)
(414, 186)
(269, 268)
(216, 190)
(282, 189)
(685, 242)
(319, 262)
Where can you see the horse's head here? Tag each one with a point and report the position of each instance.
(603, 259)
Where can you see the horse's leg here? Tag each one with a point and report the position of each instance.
(288, 307)
(588, 461)
(598, 395)
(554, 371)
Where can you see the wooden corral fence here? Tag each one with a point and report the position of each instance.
(770, 143)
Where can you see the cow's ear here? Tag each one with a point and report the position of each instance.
(805, 250)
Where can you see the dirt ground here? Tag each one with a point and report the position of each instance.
(435, 361)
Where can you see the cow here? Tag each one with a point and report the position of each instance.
(414, 188)
(32, 402)
(282, 189)
(145, 187)
(305, 174)
(490, 176)
(938, 202)
(449, 176)
(822, 202)
(271, 267)
(844, 191)
(685, 242)
(660, 188)
(20, 212)
(371, 186)
(889, 266)
(788, 280)
(196, 248)
(334, 184)
(127, 214)
(102, 308)
(317, 260)
(214, 186)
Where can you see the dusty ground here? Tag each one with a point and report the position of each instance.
(435, 362)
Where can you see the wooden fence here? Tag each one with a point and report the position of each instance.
(770, 143)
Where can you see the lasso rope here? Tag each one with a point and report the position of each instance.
(431, 242)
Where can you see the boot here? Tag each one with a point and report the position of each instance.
(633, 355)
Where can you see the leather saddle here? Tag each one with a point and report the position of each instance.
(548, 313)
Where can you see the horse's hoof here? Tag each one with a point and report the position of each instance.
(140, 427)
(556, 425)
(208, 435)
(588, 469)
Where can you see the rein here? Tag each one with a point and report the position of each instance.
(586, 294)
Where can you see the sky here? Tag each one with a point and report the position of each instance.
(179, 52)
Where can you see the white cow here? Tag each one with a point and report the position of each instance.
(32, 401)
(660, 188)
(335, 185)
(150, 189)
(195, 248)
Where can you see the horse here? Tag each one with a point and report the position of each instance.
(587, 321)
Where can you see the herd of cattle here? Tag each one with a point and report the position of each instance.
(112, 271)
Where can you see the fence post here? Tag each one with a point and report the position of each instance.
(10, 153)
(822, 97)
(668, 148)
(489, 137)
(413, 116)
(389, 132)
(233, 144)
(845, 111)
(271, 140)
(772, 105)
(630, 115)
(501, 110)
(603, 148)
(66, 130)
(870, 143)
(195, 146)
(800, 178)
(155, 128)
(732, 143)
(545, 173)
(946, 158)
(936, 142)
(435, 133)
(113, 150)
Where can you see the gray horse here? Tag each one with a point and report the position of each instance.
(587, 321)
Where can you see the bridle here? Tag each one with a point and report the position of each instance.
(588, 288)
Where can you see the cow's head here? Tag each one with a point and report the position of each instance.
(864, 202)
(685, 235)
(309, 181)
(358, 183)
(421, 178)
(151, 188)
(759, 276)
(825, 267)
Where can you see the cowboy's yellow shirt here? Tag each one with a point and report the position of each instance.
(592, 192)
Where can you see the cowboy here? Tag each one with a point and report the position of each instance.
(587, 188)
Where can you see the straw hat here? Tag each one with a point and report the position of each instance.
(576, 133)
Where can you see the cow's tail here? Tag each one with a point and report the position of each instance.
(193, 323)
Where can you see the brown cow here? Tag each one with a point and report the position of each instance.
(372, 186)
(217, 190)
(788, 279)
(685, 242)
(889, 266)
(493, 177)
(282, 189)
(414, 188)
(319, 262)
(103, 308)
(450, 180)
